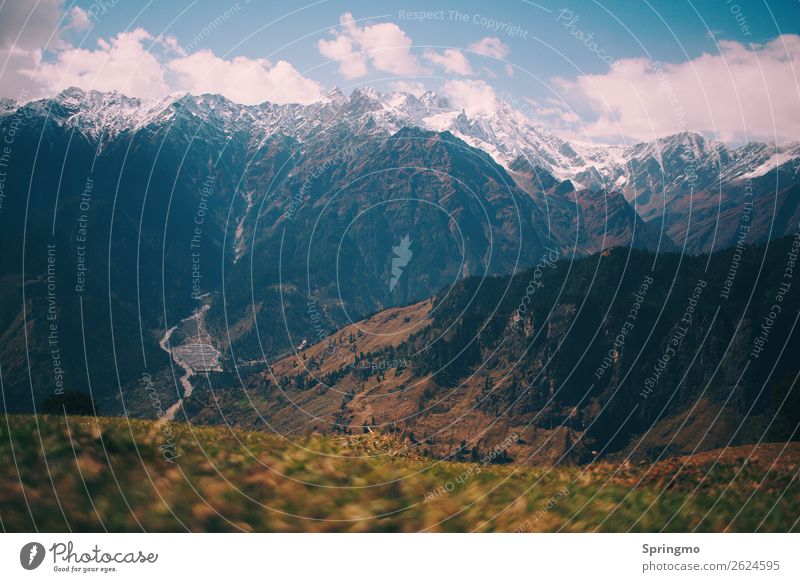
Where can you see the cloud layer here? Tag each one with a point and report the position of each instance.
(140, 65)
(744, 92)
(244, 80)
(384, 46)
(122, 63)
(474, 97)
(25, 30)
(135, 63)
(452, 61)
(490, 46)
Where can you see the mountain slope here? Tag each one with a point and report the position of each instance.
(113, 475)
(573, 374)
(280, 223)
(147, 212)
(662, 179)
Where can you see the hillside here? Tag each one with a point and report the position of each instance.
(621, 354)
(158, 208)
(112, 474)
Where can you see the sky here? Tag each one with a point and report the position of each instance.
(594, 71)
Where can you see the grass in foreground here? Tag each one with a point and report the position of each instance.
(113, 474)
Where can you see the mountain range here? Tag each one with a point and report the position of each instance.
(133, 228)
(622, 354)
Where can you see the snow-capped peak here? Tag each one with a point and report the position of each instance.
(504, 132)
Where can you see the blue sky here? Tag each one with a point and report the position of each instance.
(728, 69)
(671, 30)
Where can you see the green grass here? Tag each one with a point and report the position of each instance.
(110, 473)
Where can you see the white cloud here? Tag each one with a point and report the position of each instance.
(509, 71)
(744, 92)
(140, 65)
(171, 44)
(15, 84)
(78, 20)
(25, 29)
(28, 25)
(451, 60)
(122, 64)
(474, 97)
(490, 46)
(415, 88)
(351, 64)
(385, 46)
(553, 112)
(244, 80)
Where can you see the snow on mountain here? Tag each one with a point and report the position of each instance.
(765, 159)
(644, 172)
